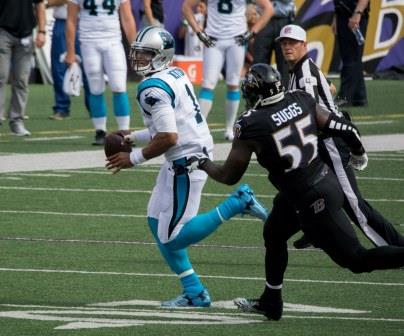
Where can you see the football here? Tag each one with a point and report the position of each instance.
(114, 144)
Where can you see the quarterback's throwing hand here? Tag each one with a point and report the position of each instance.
(205, 39)
(359, 162)
(118, 161)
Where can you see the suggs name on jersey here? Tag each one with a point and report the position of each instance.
(286, 114)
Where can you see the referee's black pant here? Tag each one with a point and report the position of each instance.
(376, 228)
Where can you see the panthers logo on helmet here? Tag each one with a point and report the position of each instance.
(168, 41)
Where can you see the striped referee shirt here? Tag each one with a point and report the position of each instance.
(306, 76)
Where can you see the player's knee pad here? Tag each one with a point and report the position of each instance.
(117, 81)
(96, 84)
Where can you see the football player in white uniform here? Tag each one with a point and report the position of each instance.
(102, 50)
(176, 129)
(225, 45)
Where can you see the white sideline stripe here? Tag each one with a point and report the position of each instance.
(96, 158)
(29, 270)
(40, 175)
(72, 137)
(247, 219)
(149, 192)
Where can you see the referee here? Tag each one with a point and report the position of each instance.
(306, 76)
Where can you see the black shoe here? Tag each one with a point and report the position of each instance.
(272, 310)
(99, 138)
(302, 243)
(360, 103)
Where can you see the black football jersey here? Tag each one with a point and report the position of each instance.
(286, 133)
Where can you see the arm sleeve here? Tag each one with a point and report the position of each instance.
(340, 127)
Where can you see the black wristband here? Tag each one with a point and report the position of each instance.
(42, 32)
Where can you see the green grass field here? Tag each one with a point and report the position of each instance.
(77, 257)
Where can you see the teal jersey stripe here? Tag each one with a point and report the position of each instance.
(158, 83)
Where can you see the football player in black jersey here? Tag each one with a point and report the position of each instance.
(282, 129)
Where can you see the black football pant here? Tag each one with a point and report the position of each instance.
(319, 213)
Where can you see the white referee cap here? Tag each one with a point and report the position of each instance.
(293, 32)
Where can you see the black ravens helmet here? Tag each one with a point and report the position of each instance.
(262, 86)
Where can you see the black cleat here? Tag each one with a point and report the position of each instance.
(99, 139)
(302, 243)
(272, 310)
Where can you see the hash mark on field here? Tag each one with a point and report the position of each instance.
(163, 275)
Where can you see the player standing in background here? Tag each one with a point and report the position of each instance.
(193, 46)
(225, 45)
(102, 50)
(61, 109)
(306, 76)
(176, 128)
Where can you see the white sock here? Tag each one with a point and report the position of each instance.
(206, 106)
(123, 122)
(231, 109)
(100, 123)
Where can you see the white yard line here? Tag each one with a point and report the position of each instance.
(163, 275)
(134, 191)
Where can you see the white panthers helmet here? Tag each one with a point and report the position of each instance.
(152, 51)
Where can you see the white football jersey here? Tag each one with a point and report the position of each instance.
(226, 18)
(99, 19)
(168, 104)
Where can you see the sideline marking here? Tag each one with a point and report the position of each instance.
(29, 270)
(72, 137)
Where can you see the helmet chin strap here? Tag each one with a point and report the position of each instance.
(273, 99)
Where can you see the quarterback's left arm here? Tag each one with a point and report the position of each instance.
(127, 21)
(235, 165)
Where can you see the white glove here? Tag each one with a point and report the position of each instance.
(358, 162)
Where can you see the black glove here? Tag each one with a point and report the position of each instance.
(195, 161)
(243, 39)
(205, 39)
